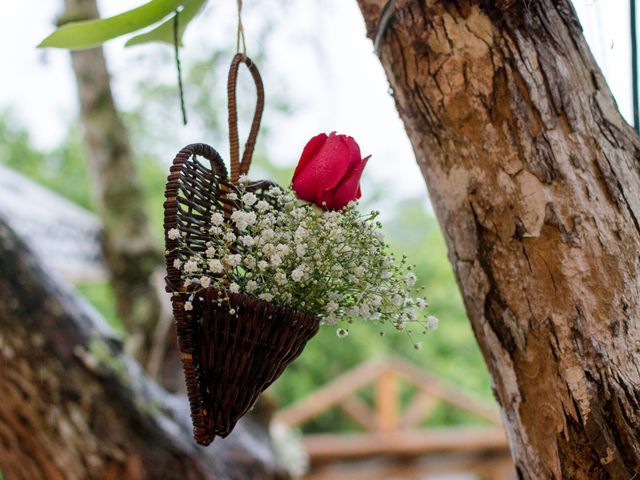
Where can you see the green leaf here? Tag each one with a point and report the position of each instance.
(91, 33)
(164, 32)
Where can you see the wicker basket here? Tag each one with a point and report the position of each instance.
(228, 358)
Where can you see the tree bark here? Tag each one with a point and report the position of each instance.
(535, 180)
(74, 406)
(129, 248)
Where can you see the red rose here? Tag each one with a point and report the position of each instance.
(329, 170)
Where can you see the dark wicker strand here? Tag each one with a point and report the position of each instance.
(238, 168)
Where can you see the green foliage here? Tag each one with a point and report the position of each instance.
(165, 31)
(100, 295)
(92, 33)
(62, 169)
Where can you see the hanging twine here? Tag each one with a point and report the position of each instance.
(240, 32)
(176, 45)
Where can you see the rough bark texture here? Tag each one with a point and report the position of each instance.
(129, 248)
(535, 179)
(73, 406)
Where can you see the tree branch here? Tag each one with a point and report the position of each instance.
(74, 406)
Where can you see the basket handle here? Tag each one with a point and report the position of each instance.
(242, 167)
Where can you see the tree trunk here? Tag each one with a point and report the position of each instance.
(129, 248)
(535, 179)
(73, 406)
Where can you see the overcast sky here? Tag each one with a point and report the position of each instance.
(331, 72)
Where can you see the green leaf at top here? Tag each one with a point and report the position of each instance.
(91, 33)
(164, 32)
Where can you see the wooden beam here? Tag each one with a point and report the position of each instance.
(421, 405)
(331, 394)
(447, 393)
(360, 412)
(387, 401)
(384, 468)
(332, 447)
(345, 385)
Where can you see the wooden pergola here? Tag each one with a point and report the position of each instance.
(393, 443)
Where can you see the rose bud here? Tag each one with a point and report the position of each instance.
(329, 170)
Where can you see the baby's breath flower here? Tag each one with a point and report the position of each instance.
(341, 333)
(262, 206)
(276, 260)
(432, 322)
(333, 264)
(188, 306)
(249, 262)
(280, 278)
(275, 191)
(243, 179)
(191, 266)
(297, 274)
(248, 240)
(330, 319)
(251, 286)
(217, 219)
(232, 260)
(332, 307)
(243, 219)
(410, 279)
(249, 199)
(216, 266)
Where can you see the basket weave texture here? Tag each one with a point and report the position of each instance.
(233, 346)
(228, 359)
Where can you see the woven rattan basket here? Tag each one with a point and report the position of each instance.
(228, 359)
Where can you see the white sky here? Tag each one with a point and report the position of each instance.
(331, 72)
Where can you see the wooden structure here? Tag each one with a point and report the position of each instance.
(394, 444)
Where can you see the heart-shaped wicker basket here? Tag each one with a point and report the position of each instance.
(228, 359)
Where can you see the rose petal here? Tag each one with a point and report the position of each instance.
(323, 171)
(310, 150)
(355, 157)
(348, 189)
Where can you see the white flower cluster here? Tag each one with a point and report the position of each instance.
(334, 265)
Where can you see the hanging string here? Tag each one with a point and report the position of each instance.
(634, 64)
(176, 45)
(240, 32)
